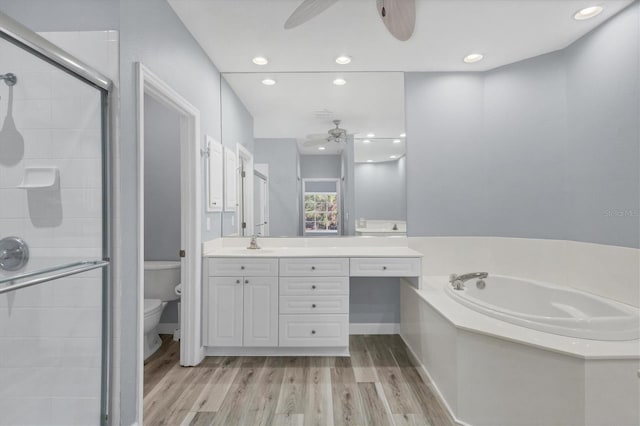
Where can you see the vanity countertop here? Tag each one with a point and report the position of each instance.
(362, 251)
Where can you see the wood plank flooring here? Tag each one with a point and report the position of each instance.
(377, 385)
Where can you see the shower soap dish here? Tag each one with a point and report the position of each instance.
(40, 177)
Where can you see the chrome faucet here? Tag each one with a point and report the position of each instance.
(253, 245)
(457, 281)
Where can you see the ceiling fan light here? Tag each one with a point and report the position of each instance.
(260, 60)
(473, 58)
(588, 13)
(343, 60)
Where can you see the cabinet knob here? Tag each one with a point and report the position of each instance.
(246, 281)
(384, 268)
(313, 268)
(313, 287)
(313, 332)
(242, 267)
(237, 281)
(313, 306)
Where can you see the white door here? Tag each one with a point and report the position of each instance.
(260, 204)
(215, 176)
(225, 311)
(261, 311)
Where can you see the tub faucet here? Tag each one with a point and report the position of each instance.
(457, 281)
(253, 245)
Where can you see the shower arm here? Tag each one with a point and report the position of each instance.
(9, 78)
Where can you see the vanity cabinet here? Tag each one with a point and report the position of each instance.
(242, 306)
(314, 302)
(296, 305)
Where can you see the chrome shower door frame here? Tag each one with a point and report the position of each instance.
(19, 35)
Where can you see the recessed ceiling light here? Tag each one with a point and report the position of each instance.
(366, 141)
(403, 135)
(343, 60)
(268, 82)
(371, 135)
(397, 141)
(392, 157)
(321, 148)
(473, 57)
(369, 161)
(260, 60)
(587, 13)
(339, 81)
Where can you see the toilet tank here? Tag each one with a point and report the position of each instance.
(160, 279)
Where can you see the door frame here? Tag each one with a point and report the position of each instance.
(191, 349)
(244, 197)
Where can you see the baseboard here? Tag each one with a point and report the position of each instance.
(374, 328)
(167, 327)
(426, 377)
(277, 351)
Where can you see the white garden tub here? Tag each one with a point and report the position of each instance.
(550, 308)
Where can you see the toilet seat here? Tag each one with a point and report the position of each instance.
(152, 306)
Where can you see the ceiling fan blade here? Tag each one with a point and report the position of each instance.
(399, 17)
(315, 142)
(307, 10)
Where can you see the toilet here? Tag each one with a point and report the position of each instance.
(160, 281)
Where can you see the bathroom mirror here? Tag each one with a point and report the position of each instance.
(316, 154)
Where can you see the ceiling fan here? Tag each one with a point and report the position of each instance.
(399, 16)
(336, 135)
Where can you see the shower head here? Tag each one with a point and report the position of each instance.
(9, 78)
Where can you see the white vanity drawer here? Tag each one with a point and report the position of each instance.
(314, 304)
(311, 267)
(238, 266)
(310, 286)
(314, 330)
(385, 267)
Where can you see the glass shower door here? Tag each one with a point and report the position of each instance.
(53, 242)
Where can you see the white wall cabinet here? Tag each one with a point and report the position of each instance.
(215, 176)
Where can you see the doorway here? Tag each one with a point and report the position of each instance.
(261, 199)
(190, 205)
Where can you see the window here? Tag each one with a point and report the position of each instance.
(321, 210)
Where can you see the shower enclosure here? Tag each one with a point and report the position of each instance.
(54, 234)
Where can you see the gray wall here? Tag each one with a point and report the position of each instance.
(374, 300)
(320, 166)
(237, 127)
(380, 190)
(64, 15)
(282, 157)
(544, 148)
(161, 182)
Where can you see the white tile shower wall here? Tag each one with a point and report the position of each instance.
(50, 335)
(608, 271)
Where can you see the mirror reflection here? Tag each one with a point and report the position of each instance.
(313, 154)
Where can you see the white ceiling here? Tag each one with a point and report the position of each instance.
(378, 150)
(303, 104)
(232, 32)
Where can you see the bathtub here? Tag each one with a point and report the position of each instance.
(550, 308)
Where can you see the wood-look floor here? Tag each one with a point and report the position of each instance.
(377, 385)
